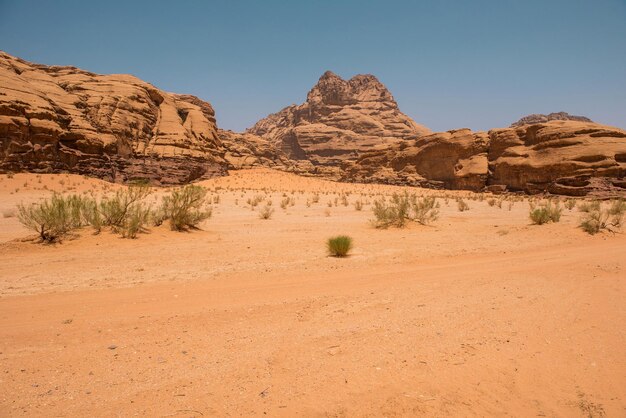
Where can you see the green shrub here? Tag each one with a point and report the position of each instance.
(424, 210)
(403, 208)
(394, 213)
(115, 210)
(135, 221)
(185, 207)
(339, 246)
(55, 217)
(545, 213)
(593, 221)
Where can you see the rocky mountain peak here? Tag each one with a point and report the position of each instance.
(333, 90)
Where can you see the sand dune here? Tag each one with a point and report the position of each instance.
(478, 314)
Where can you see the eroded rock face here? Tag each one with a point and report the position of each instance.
(115, 127)
(561, 157)
(340, 120)
(539, 118)
(453, 160)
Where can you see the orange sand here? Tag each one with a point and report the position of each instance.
(479, 314)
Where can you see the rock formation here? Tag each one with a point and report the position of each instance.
(115, 127)
(560, 157)
(539, 118)
(120, 128)
(339, 120)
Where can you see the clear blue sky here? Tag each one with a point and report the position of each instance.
(450, 64)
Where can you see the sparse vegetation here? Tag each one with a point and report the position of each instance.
(570, 204)
(545, 213)
(403, 208)
(185, 207)
(266, 212)
(595, 219)
(55, 217)
(462, 205)
(339, 246)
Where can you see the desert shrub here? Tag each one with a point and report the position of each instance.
(55, 217)
(491, 202)
(358, 205)
(594, 205)
(135, 221)
(595, 219)
(617, 211)
(253, 202)
(570, 204)
(339, 246)
(115, 210)
(185, 207)
(394, 213)
(403, 208)
(92, 215)
(266, 212)
(425, 210)
(284, 203)
(545, 213)
(462, 205)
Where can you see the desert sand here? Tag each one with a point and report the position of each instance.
(478, 314)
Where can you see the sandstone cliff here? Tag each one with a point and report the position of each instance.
(561, 157)
(115, 127)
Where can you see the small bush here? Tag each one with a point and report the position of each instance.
(425, 210)
(546, 213)
(135, 221)
(55, 217)
(358, 205)
(462, 205)
(570, 204)
(595, 219)
(394, 213)
(266, 212)
(617, 212)
(339, 246)
(185, 207)
(115, 210)
(594, 205)
(403, 208)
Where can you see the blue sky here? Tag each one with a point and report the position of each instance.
(449, 64)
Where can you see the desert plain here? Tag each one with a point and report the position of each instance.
(479, 313)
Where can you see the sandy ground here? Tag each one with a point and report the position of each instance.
(478, 314)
